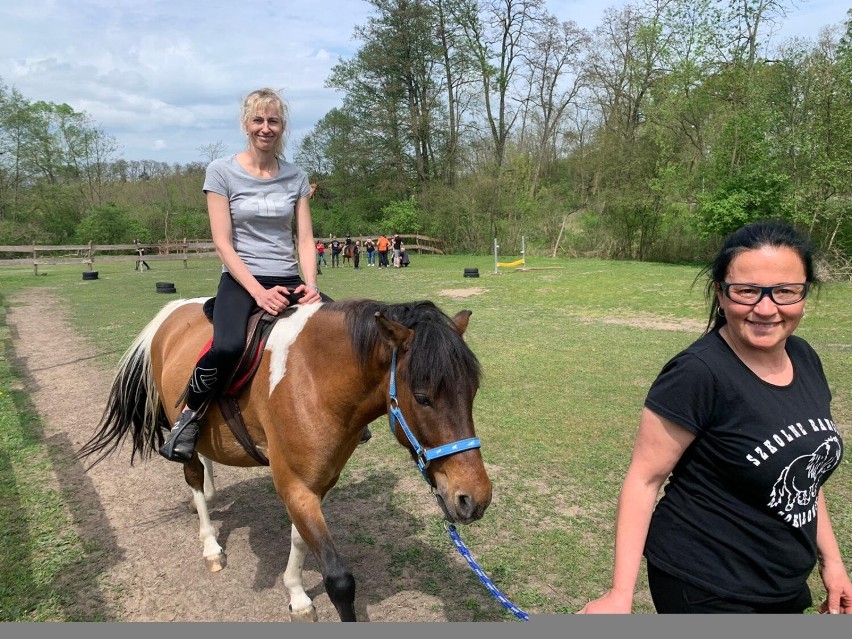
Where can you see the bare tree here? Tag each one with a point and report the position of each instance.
(555, 80)
(212, 151)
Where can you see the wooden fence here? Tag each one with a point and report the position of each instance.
(89, 254)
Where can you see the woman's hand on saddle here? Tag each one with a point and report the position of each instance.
(273, 300)
(307, 294)
(610, 603)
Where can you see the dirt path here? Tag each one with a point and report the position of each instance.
(149, 565)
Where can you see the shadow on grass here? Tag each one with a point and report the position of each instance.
(31, 519)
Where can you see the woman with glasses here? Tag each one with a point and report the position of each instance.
(740, 425)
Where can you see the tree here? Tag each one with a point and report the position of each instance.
(623, 69)
(392, 91)
(212, 151)
(498, 41)
(459, 79)
(555, 81)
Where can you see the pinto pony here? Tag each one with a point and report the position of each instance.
(409, 359)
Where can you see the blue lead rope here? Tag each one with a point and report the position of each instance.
(423, 457)
(499, 596)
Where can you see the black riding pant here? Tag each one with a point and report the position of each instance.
(233, 306)
(675, 596)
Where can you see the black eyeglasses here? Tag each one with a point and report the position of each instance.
(751, 294)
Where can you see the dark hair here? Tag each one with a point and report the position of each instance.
(775, 233)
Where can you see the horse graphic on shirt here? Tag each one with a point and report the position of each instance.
(799, 482)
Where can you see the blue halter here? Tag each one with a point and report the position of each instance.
(422, 455)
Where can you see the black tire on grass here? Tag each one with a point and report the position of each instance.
(166, 287)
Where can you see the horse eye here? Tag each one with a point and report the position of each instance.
(422, 399)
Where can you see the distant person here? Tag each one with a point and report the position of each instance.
(140, 251)
(335, 252)
(403, 257)
(356, 253)
(370, 249)
(397, 248)
(321, 254)
(383, 244)
(740, 425)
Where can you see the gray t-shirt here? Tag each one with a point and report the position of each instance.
(261, 213)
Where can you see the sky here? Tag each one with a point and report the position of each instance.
(165, 78)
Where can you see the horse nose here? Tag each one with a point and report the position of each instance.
(469, 509)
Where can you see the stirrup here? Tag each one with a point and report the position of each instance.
(180, 444)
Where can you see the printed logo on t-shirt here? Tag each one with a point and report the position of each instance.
(266, 205)
(794, 493)
(799, 482)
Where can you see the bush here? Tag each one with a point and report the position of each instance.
(109, 224)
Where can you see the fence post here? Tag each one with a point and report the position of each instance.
(35, 257)
(91, 255)
(496, 268)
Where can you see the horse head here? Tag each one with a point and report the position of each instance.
(436, 379)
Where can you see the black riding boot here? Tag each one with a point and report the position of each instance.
(181, 441)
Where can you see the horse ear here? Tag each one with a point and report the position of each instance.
(461, 320)
(394, 333)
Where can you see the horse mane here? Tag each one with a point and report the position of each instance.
(824, 457)
(439, 361)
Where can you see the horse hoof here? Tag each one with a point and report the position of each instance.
(215, 564)
(308, 614)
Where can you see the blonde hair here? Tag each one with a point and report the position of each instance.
(258, 101)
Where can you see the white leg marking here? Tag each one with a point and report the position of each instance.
(206, 532)
(209, 484)
(299, 600)
(281, 339)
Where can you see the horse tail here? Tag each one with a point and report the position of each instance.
(134, 403)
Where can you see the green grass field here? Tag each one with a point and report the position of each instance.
(568, 348)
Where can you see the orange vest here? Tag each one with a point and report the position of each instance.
(383, 244)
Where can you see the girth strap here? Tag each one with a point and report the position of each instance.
(230, 407)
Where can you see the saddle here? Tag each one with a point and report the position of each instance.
(259, 327)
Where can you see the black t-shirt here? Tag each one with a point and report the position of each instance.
(335, 246)
(738, 517)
